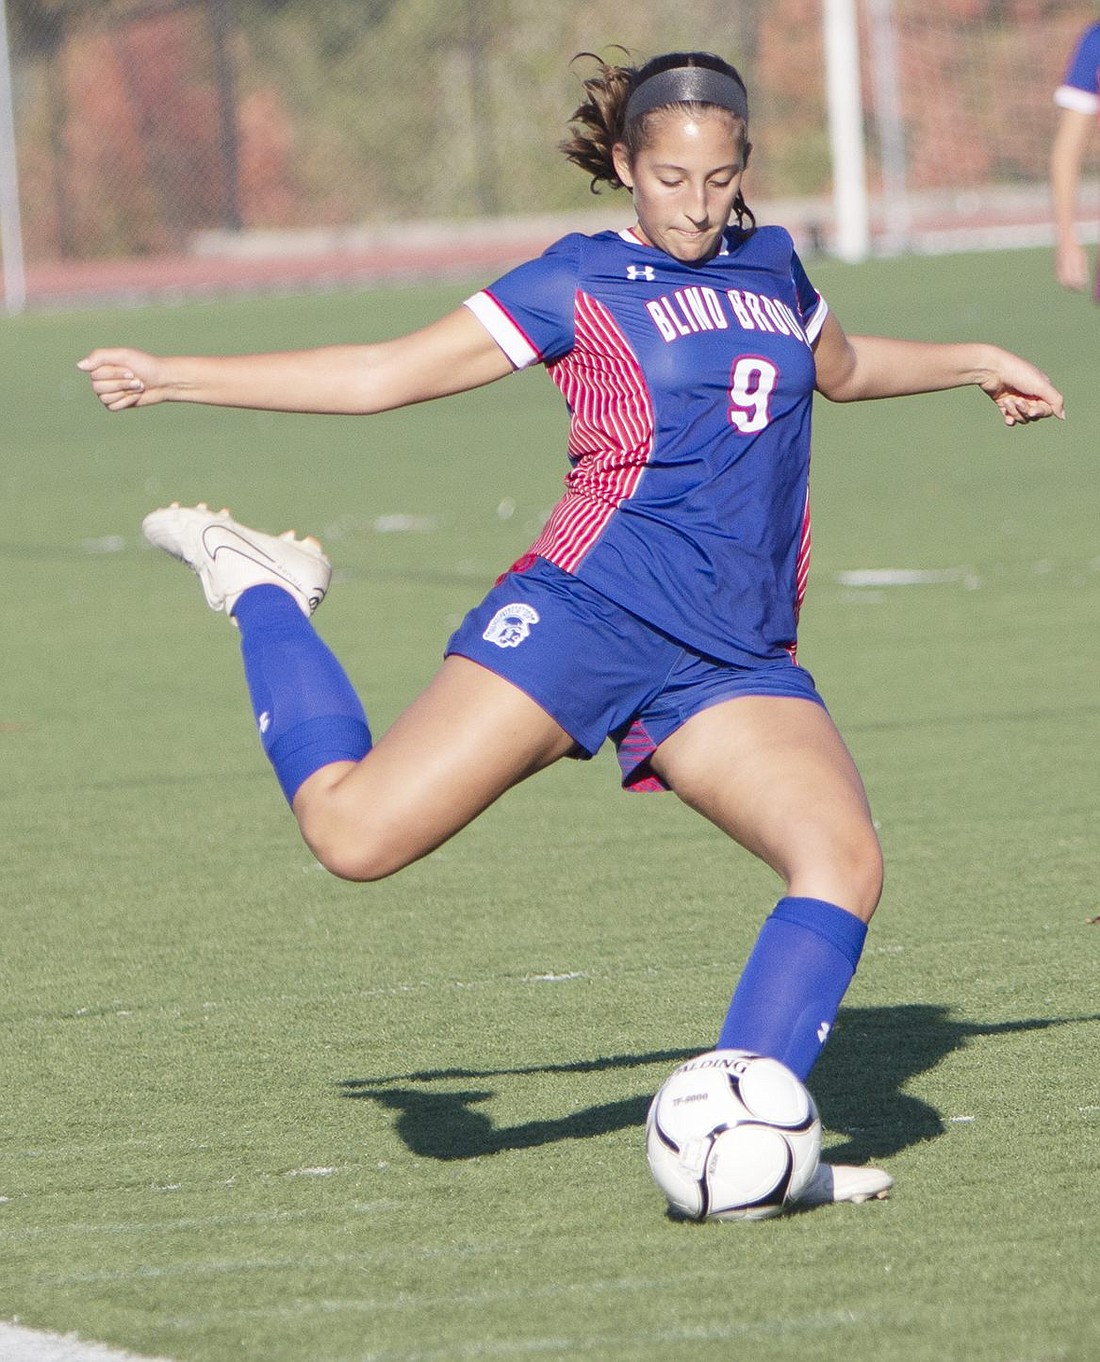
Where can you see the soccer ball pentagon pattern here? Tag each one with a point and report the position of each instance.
(732, 1136)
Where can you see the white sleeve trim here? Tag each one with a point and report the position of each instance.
(1073, 97)
(817, 320)
(503, 329)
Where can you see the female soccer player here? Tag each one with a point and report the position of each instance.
(658, 606)
(1078, 99)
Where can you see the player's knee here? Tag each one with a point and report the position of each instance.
(349, 847)
(865, 872)
(359, 861)
(846, 871)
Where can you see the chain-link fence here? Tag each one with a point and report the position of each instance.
(149, 129)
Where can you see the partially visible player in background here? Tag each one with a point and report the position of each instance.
(1078, 98)
(659, 605)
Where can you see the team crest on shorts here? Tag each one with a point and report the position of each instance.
(511, 625)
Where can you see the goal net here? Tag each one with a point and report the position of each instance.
(959, 101)
(155, 132)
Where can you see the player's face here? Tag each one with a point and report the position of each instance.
(684, 181)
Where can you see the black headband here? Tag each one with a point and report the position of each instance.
(688, 85)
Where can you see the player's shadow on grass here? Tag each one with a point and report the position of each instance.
(873, 1053)
(858, 1084)
(442, 1123)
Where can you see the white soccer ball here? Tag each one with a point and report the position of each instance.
(732, 1136)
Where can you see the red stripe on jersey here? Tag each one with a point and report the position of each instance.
(802, 563)
(802, 566)
(610, 433)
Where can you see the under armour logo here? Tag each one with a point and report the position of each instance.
(263, 723)
(641, 272)
(823, 1032)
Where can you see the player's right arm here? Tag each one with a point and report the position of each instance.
(452, 355)
(1067, 153)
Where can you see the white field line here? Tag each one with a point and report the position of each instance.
(416, 1304)
(864, 579)
(109, 1012)
(188, 1224)
(899, 576)
(30, 1345)
(18, 1344)
(658, 1341)
(468, 1300)
(224, 1267)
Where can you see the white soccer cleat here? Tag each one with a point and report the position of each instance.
(229, 558)
(841, 1182)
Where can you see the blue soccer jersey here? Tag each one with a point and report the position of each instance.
(689, 389)
(1080, 88)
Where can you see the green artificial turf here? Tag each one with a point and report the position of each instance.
(254, 1114)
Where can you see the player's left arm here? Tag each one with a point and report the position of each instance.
(856, 368)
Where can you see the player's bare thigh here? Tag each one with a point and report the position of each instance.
(459, 746)
(774, 773)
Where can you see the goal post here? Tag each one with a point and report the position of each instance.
(11, 227)
(844, 103)
(941, 118)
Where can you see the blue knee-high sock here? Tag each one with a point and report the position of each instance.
(306, 711)
(800, 967)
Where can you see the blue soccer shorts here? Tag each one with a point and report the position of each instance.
(599, 671)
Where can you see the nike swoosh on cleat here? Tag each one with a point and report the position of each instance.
(232, 543)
